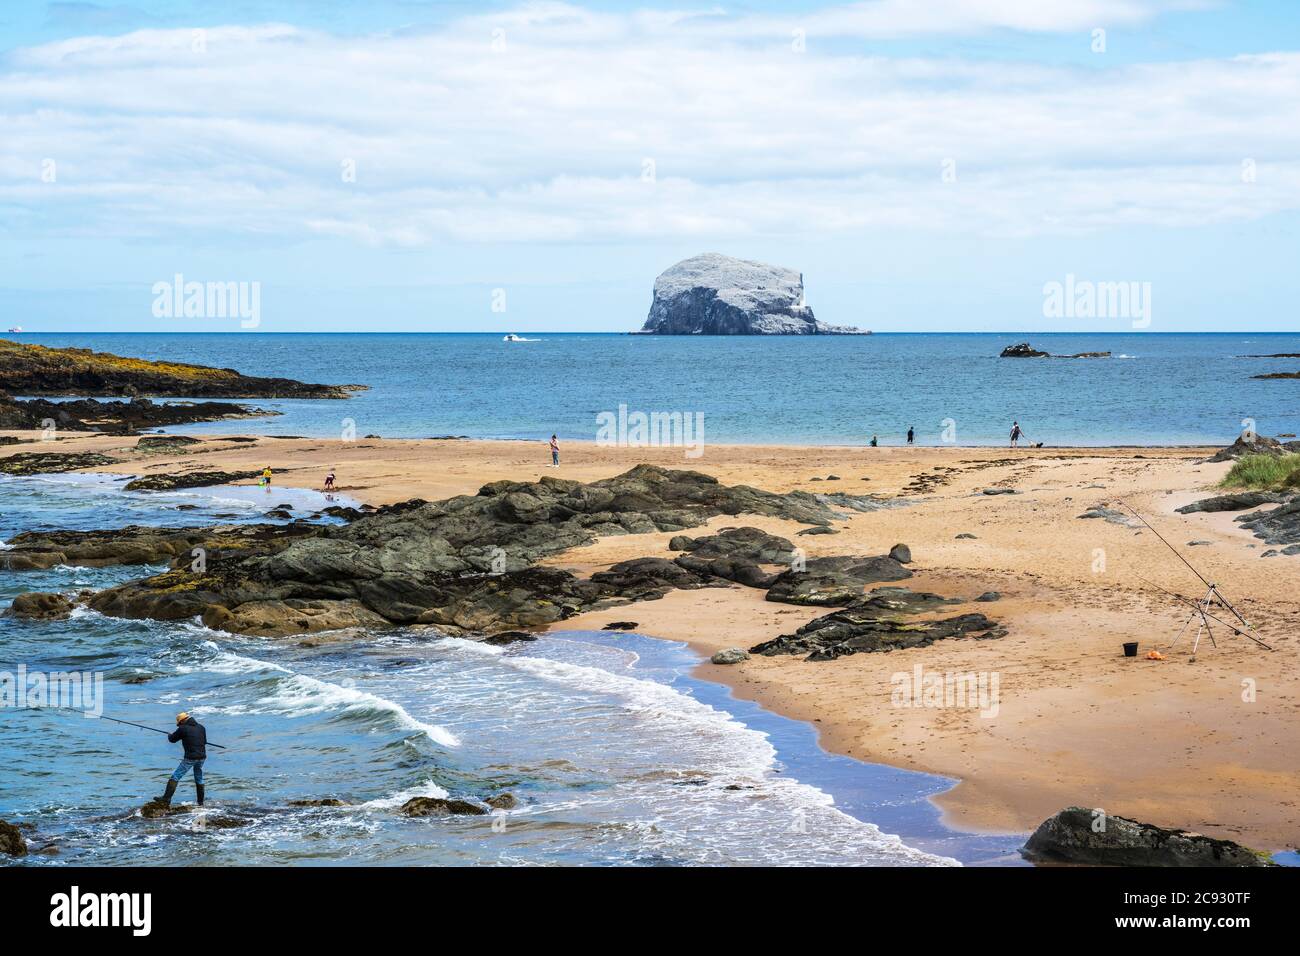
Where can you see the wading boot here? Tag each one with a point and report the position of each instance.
(198, 792)
(167, 796)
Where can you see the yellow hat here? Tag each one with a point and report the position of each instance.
(182, 717)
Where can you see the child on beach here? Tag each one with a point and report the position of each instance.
(265, 480)
(329, 481)
(555, 452)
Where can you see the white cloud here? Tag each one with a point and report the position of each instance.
(245, 130)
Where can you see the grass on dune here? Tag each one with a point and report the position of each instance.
(1264, 471)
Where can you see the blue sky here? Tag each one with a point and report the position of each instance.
(404, 165)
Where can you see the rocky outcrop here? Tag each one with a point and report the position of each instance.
(40, 463)
(1079, 835)
(834, 582)
(135, 544)
(37, 606)
(713, 294)
(12, 842)
(1022, 350)
(1238, 501)
(35, 370)
(865, 629)
(736, 554)
(1280, 526)
(193, 479)
(468, 562)
(116, 418)
(1025, 350)
(1254, 445)
(438, 807)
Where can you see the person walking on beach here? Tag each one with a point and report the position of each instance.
(911, 434)
(193, 737)
(1015, 434)
(265, 480)
(329, 481)
(555, 452)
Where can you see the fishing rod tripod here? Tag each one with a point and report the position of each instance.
(1200, 613)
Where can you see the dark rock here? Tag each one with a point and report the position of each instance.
(321, 802)
(730, 655)
(648, 578)
(39, 463)
(502, 638)
(12, 842)
(37, 606)
(116, 418)
(989, 596)
(834, 582)
(620, 626)
(1022, 350)
(1111, 515)
(1253, 445)
(158, 808)
(436, 806)
(817, 529)
(1238, 501)
(735, 554)
(1070, 837)
(135, 544)
(1000, 491)
(887, 602)
(863, 630)
(901, 553)
(965, 536)
(1280, 526)
(193, 479)
(712, 294)
(502, 801)
(166, 443)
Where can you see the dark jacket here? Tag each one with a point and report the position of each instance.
(194, 738)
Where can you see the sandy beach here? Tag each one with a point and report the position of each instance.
(1206, 745)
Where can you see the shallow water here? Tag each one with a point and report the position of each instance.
(615, 754)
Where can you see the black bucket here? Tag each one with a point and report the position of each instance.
(1131, 649)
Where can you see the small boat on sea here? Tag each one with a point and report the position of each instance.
(16, 328)
(515, 338)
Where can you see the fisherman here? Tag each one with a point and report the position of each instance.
(194, 738)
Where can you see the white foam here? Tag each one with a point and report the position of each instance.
(736, 754)
(428, 789)
(299, 694)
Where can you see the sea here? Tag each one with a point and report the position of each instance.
(613, 752)
(1156, 389)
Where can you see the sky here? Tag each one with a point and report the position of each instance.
(402, 165)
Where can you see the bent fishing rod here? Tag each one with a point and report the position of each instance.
(128, 723)
(1200, 609)
(1214, 588)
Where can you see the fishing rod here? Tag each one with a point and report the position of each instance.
(130, 724)
(1213, 589)
(1197, 607)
